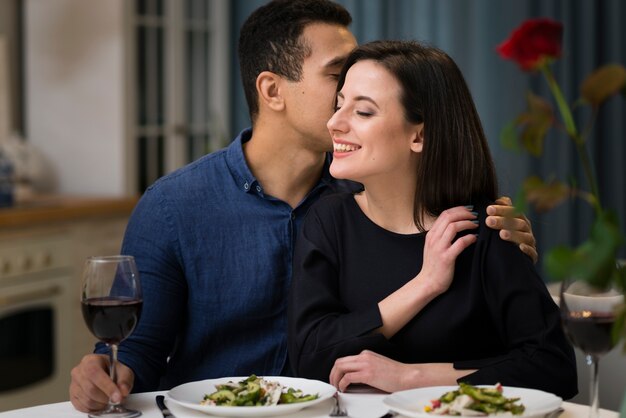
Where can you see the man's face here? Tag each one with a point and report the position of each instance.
(311, 99)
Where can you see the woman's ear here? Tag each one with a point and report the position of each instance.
(417, 142)
(268, 89)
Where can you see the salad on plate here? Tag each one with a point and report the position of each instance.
(255, 391)
(470, 400)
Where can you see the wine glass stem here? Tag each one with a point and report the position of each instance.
(594, 409)
(113, 368)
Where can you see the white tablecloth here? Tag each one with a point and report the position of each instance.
(359, 405)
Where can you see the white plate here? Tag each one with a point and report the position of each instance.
(412, 402)
(190, 394)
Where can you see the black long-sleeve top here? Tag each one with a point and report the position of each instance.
(496, 316)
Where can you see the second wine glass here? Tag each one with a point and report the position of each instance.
(111, 302)
(588, 315)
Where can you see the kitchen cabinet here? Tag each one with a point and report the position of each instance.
(43, 245)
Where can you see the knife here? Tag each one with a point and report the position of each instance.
(166, 412)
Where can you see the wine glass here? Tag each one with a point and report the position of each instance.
(588, 314)
(111, 303)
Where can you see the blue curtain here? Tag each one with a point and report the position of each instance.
(470, 30)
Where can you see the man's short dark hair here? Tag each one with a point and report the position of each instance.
(270, 40)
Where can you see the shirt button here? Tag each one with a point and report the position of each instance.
(246, 186)
(293, 216)
(258, 189)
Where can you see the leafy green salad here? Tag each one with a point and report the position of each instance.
(470, 400)
(254, 391)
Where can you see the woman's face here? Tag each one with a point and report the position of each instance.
(371, 135)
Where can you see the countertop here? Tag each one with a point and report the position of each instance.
(62, 208)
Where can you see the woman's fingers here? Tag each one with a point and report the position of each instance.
(450, 217)
(372, 369)
(342, 366)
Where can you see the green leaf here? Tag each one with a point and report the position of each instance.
(558, 261)
(508, 137)
(520, 204)
(594, 260)
(544, 196)
(621, 275)
(535, 123)
(619, 327)
(603, 83)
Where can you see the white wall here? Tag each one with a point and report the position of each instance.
(10, 75)
(5, 108)
(75, 101)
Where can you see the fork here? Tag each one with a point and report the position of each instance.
(338, 410)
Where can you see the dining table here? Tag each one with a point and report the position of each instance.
(358, 405)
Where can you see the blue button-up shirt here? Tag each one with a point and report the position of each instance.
(214, 255)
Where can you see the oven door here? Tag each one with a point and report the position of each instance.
(35, 336)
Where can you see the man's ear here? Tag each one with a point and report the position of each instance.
(417, 142)
(268, 88)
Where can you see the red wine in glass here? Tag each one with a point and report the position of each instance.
(590, 331)
(111, 302)
(588, 315)
(111, 320)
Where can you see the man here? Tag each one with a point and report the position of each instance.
(213, 241)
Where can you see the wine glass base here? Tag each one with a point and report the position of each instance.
(115, 411)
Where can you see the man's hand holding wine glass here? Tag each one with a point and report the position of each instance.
(111, 302)
(91, 377)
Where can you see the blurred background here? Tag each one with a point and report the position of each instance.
(115, 94)
(100, 98)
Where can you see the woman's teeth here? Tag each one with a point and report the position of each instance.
(345, 147)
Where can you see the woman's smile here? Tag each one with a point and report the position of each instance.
(343, 148)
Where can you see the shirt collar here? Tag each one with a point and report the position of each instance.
(241, 172)
(238, 165)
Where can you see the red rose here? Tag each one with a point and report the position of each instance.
(533, 43)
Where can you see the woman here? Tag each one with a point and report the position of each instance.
(402, 285)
